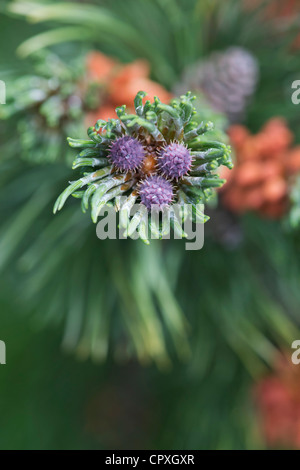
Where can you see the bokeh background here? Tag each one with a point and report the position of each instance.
(117, 345)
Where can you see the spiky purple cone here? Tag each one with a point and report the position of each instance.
(174, 160)
(126, 153)
(156, 190)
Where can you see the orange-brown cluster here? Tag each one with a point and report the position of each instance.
(119, 84)
(278, 402)
(264, 164)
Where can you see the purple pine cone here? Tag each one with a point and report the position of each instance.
(174, 160)
(156, 190)
(126, 153)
